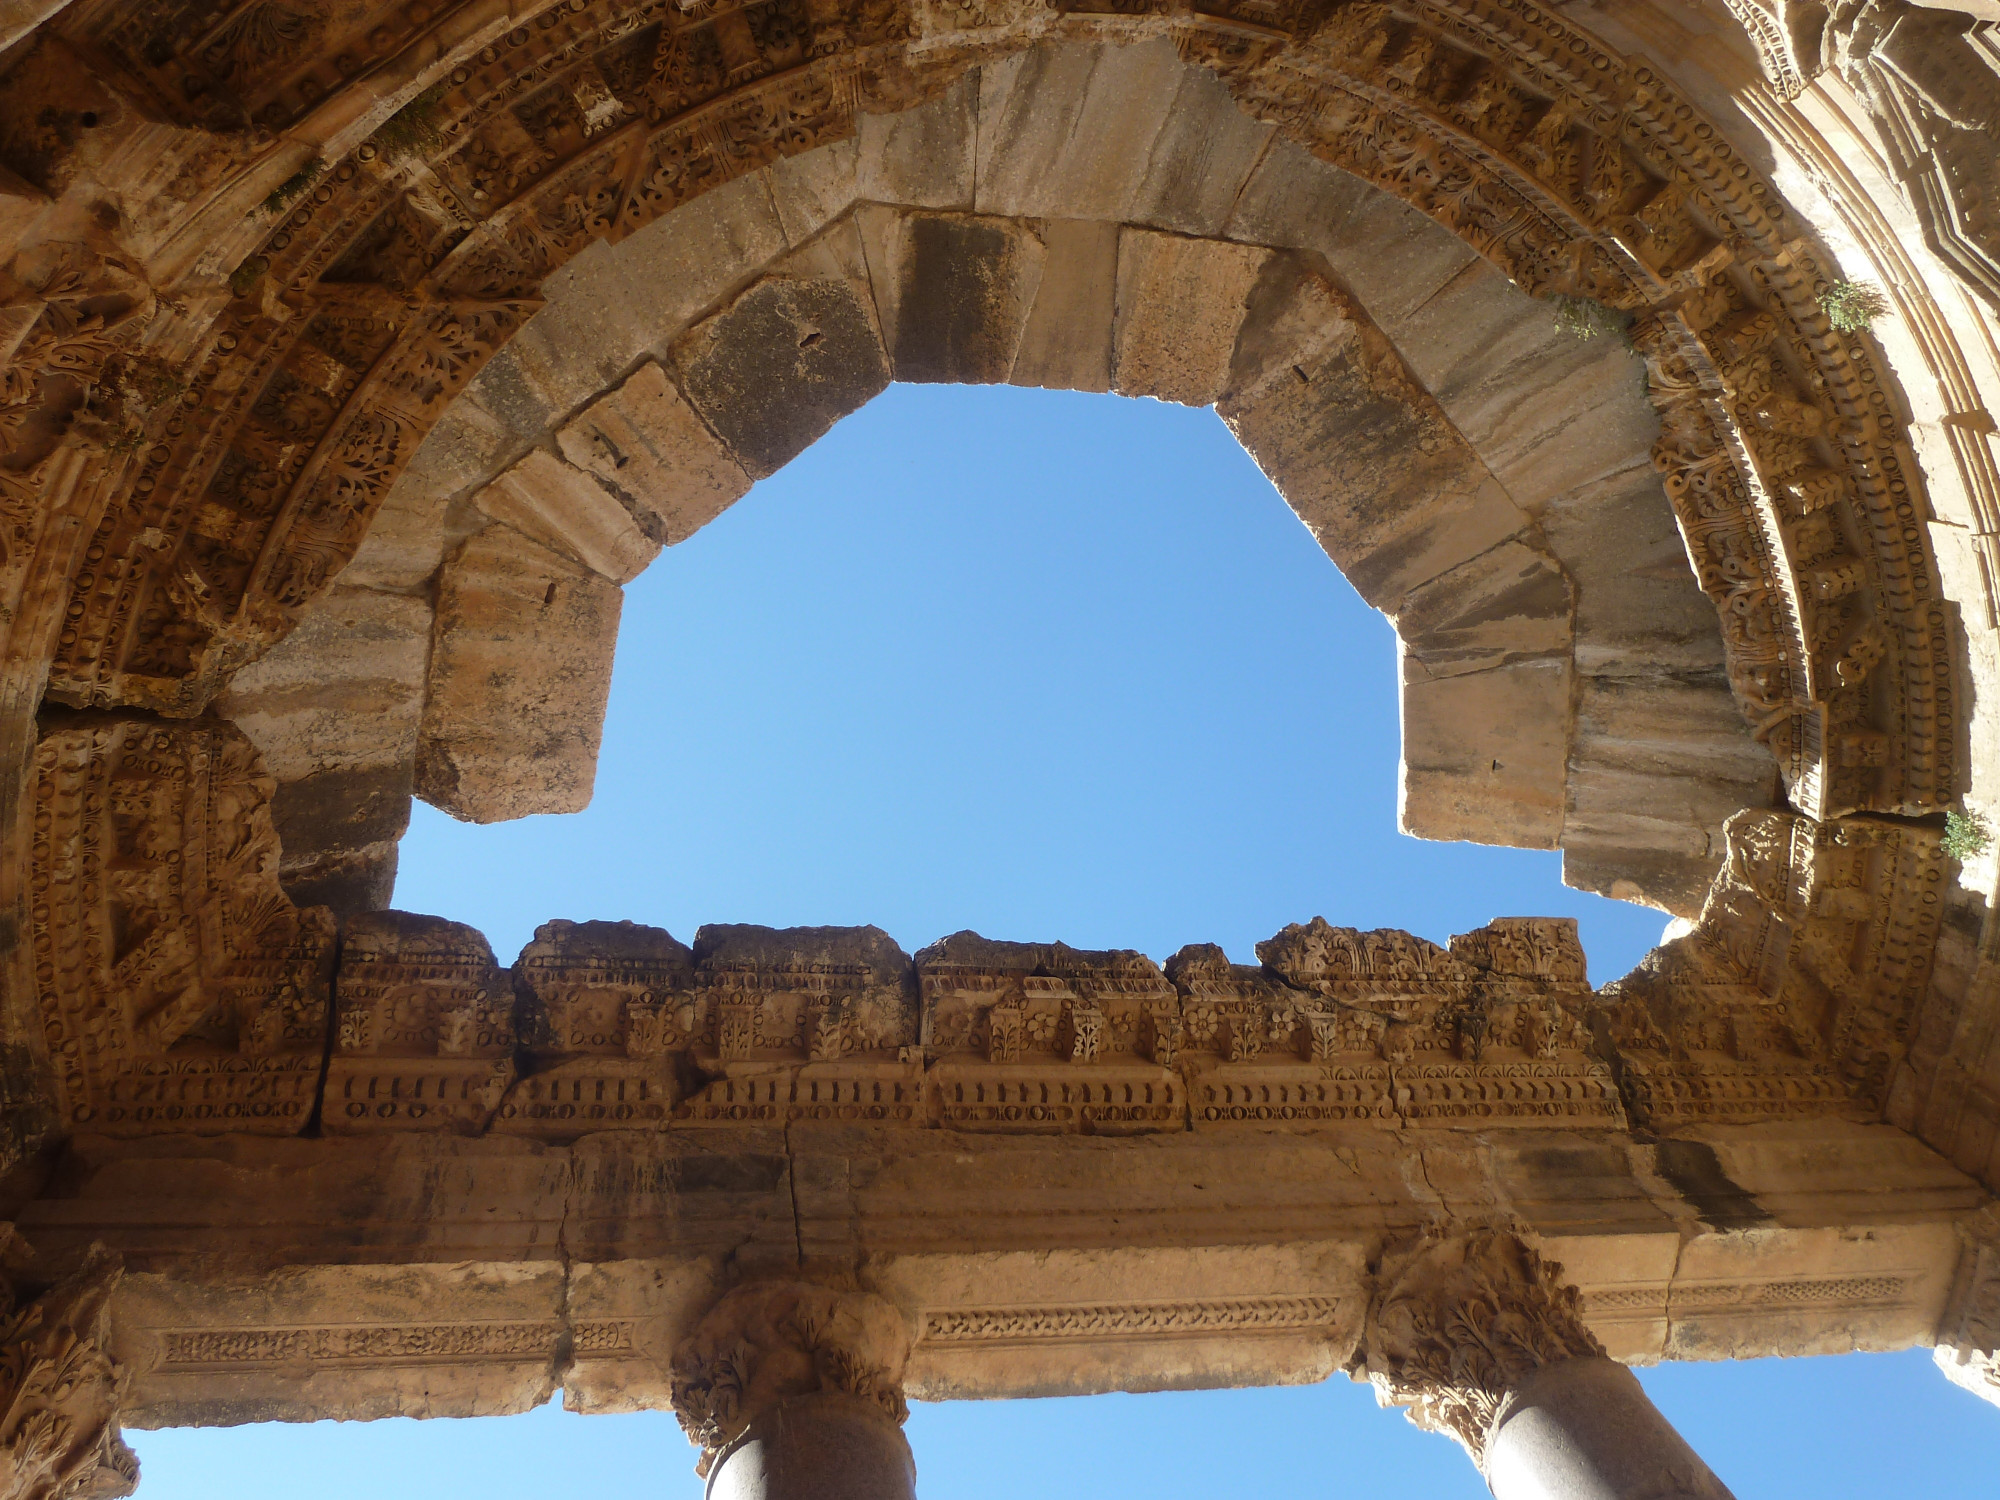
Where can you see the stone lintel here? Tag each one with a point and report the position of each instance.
(428, 1275)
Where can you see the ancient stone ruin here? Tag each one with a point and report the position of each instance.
(1639, 360)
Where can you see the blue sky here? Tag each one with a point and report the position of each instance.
(1047, 666)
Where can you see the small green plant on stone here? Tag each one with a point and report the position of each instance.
(1965, 835)
(292, 186)
(414, 129)
(1852, 305)
(1581, 318)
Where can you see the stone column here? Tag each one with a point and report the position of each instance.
(1480, 1339)
(59, 1388)
(795, 1392)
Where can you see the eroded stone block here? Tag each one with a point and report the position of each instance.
(646, 444)
(805, 1023)
(1508, 604)
(1180, 304)
(1373, 468)
(954, 293)
(923, 157)
(1484, 753)
(334, 711)
(1066, 344)
(787, 360)
(1068, 132)
(605, 1008)
(1294, 199)
(519, 673)
(566, 508)
(423, 1027)
(1200, 159)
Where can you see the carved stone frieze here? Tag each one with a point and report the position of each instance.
(424, 1028)
(767, 1342)
(1460, 1321)
(812, 1023)
(179, 988)
(1796, 990)
(605, 1010)
(60, 1389)
(1031, 1036)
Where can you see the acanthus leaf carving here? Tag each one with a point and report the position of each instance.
(1460, 1321)
(60, 1390)
(768, 1341)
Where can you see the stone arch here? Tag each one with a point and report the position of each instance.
(397, 270)
(1562, 681)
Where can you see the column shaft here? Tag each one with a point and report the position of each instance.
(1584, 1429)
(818, 1447)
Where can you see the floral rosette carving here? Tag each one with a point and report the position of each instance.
(1461, 1322)
(59, 1392)
(768, 1342)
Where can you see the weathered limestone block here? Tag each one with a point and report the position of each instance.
(1033, 1037)
(644, 443)
(1180, 304)
(1294, 200)
(424, 1028)
(1506, 605)
(519, 673)
(1066, 344)
(60, 1388)
(812, 189)
(1080, 1318)
(419, 521)
(1067, 132)
(1259, 1045)
(604, 1009)
(803, 1023)
(1548, 411)
(1484, 752)
(922, 157)
(1489, 1032)
(1200, 159)
(953, 292)
(1371, 466)
(180, 989)
(785, 361)
(1657, 764)
(481, 1334)
(564, 507)
(678, 266)
(334, 711)
(779, 1355)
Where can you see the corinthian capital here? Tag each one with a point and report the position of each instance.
(59, 1393)
(1460, 1322)
(770, 1341)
